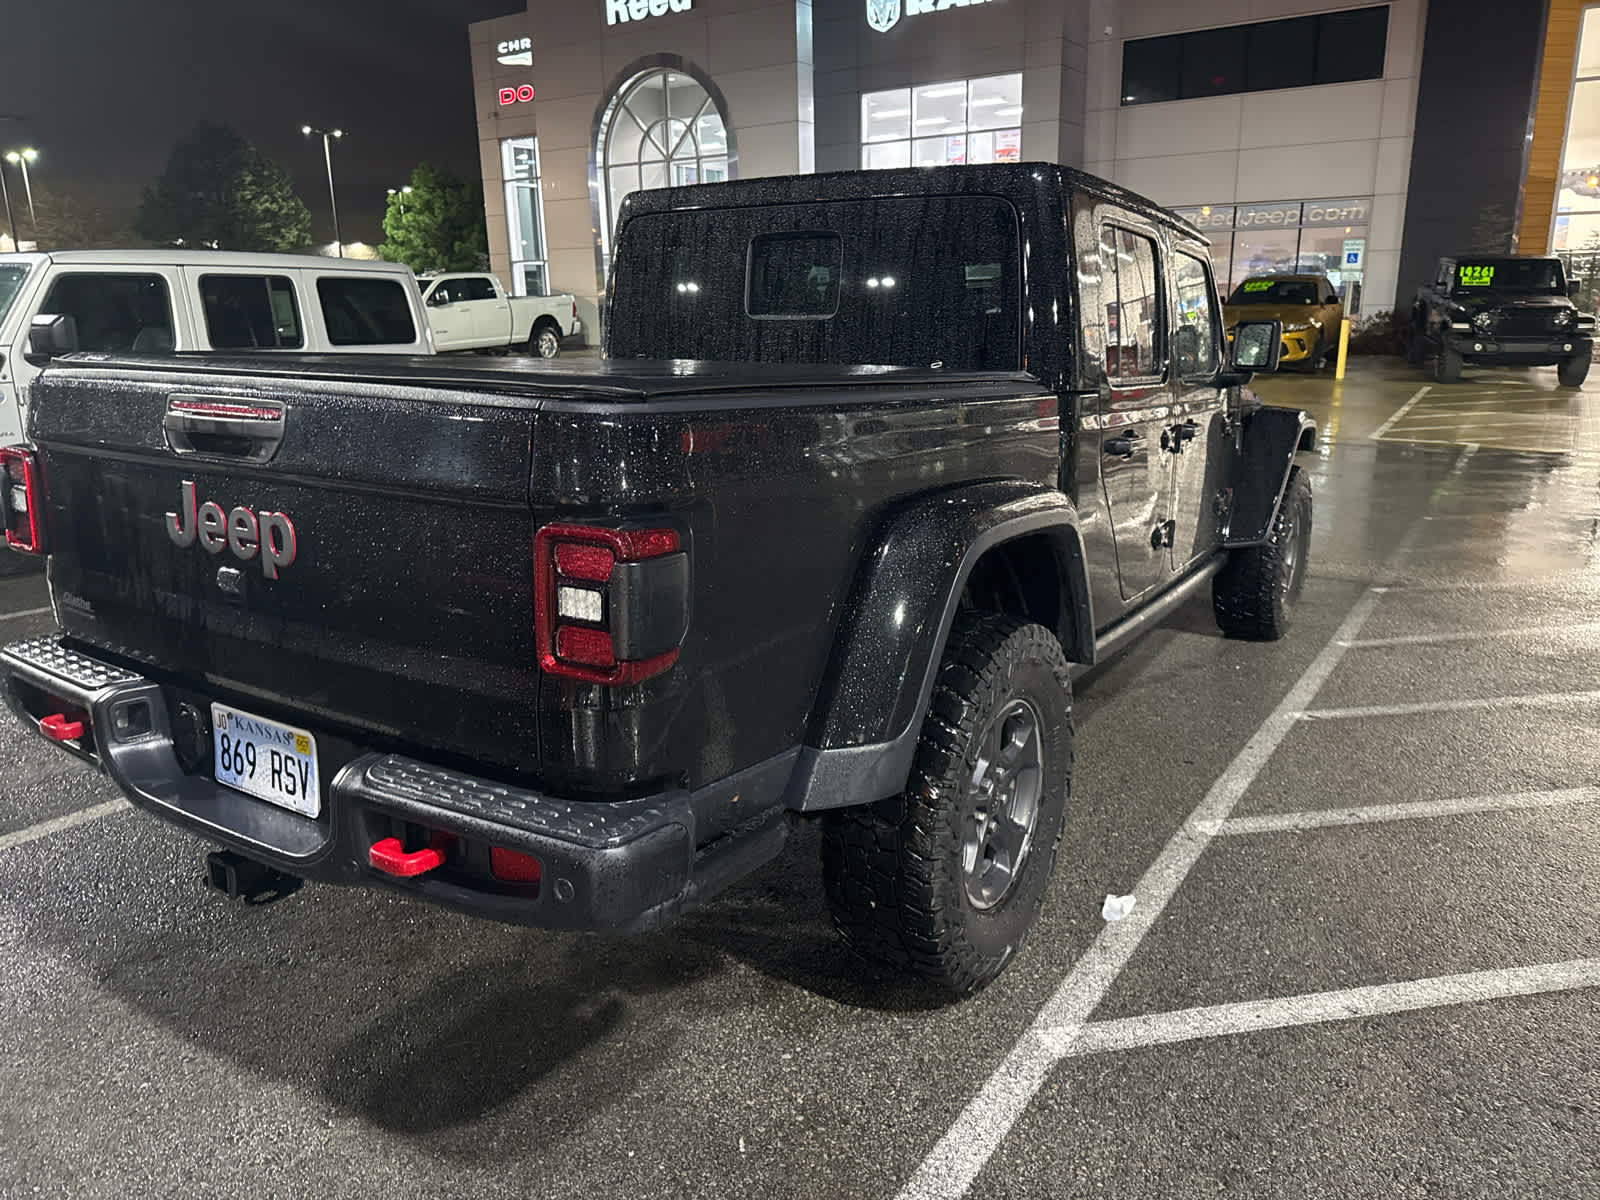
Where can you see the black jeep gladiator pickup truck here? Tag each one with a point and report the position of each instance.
(874, 463)
(1506, 311)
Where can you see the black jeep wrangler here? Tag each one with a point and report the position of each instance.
(1504, 311)
(875, 464)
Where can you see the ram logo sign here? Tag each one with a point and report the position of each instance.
(884, 15)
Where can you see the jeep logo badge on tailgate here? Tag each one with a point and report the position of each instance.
(242, 530)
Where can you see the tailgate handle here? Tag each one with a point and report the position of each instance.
(238, 429)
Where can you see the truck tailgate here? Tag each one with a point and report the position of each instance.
(367, 562)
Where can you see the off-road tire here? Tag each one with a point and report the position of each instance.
(1255, 594)
(893, 870)
(1571, 372)
(1447, 365)
(545, 340)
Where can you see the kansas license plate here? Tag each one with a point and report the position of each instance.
(272, 762)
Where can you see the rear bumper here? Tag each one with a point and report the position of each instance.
(620, 866)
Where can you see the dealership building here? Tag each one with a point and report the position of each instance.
(1361, 140)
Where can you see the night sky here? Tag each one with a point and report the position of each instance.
(105, 87)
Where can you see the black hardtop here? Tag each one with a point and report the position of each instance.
(1017, 182)
(531, 379)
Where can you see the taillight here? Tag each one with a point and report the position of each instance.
(610, 605)
(22, 499)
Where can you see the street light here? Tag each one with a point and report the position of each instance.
(327, 155)
(402, 193)
(22, 158)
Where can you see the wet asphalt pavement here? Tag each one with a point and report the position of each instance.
(1364, 961)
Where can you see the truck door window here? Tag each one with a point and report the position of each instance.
(250, 312)
(1194, 335)
(10, 284)
(1135, 341)
(365, 312)
(794, 275)
(114, 311)
(479, 288)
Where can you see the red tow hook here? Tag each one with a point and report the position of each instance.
(390, 857)
(57, 728)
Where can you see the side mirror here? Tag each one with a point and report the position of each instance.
(1574, 286)
(50, 335)
(1256, 346)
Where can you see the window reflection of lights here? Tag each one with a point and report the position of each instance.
(943, 90)
(1014, 111)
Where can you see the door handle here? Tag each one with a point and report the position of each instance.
(1124, 445)
(1177, 436)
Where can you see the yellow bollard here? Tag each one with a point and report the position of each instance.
(1344, 347)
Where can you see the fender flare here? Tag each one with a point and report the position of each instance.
(1269, 438)
(863, 732)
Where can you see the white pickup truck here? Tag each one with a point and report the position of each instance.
(471, 311)
(160, 301)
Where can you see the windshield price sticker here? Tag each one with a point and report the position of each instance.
(1475, 276)
(1258, 285)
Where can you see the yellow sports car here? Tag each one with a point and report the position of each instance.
(1308, 306)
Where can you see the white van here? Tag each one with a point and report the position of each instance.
(159, 301)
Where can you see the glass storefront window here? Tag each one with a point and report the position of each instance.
(661, 130)
(1575, 232)
(1260, 251)
(939, 124)
(519, 161)
(1285, 236)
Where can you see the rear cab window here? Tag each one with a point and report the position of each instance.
(905, 281)
(250, 312)
(115, 311)
(365, 312)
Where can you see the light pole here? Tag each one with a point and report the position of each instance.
(402, 193)
(22, 158)
(327, 155)
(11, 220)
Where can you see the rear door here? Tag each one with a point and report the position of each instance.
(1136, 400)
(1196, 435)
(489, 315)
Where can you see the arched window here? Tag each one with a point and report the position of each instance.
(661, 129)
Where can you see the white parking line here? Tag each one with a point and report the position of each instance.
(1315, 1008)
(27, 612)
(1472, 635)
(1532, 700)
(56, 824)
(1413, 810)
(1400, 412)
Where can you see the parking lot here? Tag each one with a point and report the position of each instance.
(1364, 958)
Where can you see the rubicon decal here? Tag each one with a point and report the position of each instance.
(243, 531)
